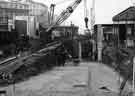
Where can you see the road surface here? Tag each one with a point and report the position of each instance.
(70, 81)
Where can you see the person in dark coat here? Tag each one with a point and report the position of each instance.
(62, 55)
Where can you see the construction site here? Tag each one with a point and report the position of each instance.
(45, 53)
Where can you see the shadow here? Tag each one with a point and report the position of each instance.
(29, 70)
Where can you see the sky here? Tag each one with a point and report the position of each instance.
(104, 10)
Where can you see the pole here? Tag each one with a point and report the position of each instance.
(89, 87)
(133, 76)
(80, 51)
(28, 19)
(14, 89)
(11, 90)
(100, 38)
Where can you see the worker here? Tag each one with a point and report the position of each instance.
(62, 55)
(23, 43)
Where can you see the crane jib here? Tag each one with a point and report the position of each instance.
(65, 14)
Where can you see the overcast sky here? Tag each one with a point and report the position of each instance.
(104, 10)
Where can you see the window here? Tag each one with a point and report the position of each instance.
(133, 29)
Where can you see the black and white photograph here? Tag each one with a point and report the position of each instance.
(67, 47)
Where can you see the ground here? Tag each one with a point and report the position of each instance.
(87, 79)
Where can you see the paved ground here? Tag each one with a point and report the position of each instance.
(70, 81)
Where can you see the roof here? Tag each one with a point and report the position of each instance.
(104, 25)
(38, 3)
(126, 15)
(13, 5)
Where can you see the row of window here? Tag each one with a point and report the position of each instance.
(13, 5)
(3, 20)
(10, 14)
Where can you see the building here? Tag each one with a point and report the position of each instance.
(65, 31)
(11, 9)
(104, 33)
(26, 9)
(34, 8)
(122, 31)
(37, 9)
(124, 27)
(14, 8)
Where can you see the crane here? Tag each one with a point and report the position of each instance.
(92, 16)
(86, 14)
(51, 15)
(64, 14)
(52, 9)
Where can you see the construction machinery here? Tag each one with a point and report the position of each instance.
(86, 14)
(60, 19)
(16, 64)
(64, 15)
(52, 10)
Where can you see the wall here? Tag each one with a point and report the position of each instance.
(30, 25)
(125, 34)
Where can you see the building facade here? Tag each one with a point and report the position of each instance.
(24, 8)
(124, 27)
(37, 9)
(11, 9)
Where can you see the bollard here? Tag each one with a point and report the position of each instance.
(11, 90)
(89, 89)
